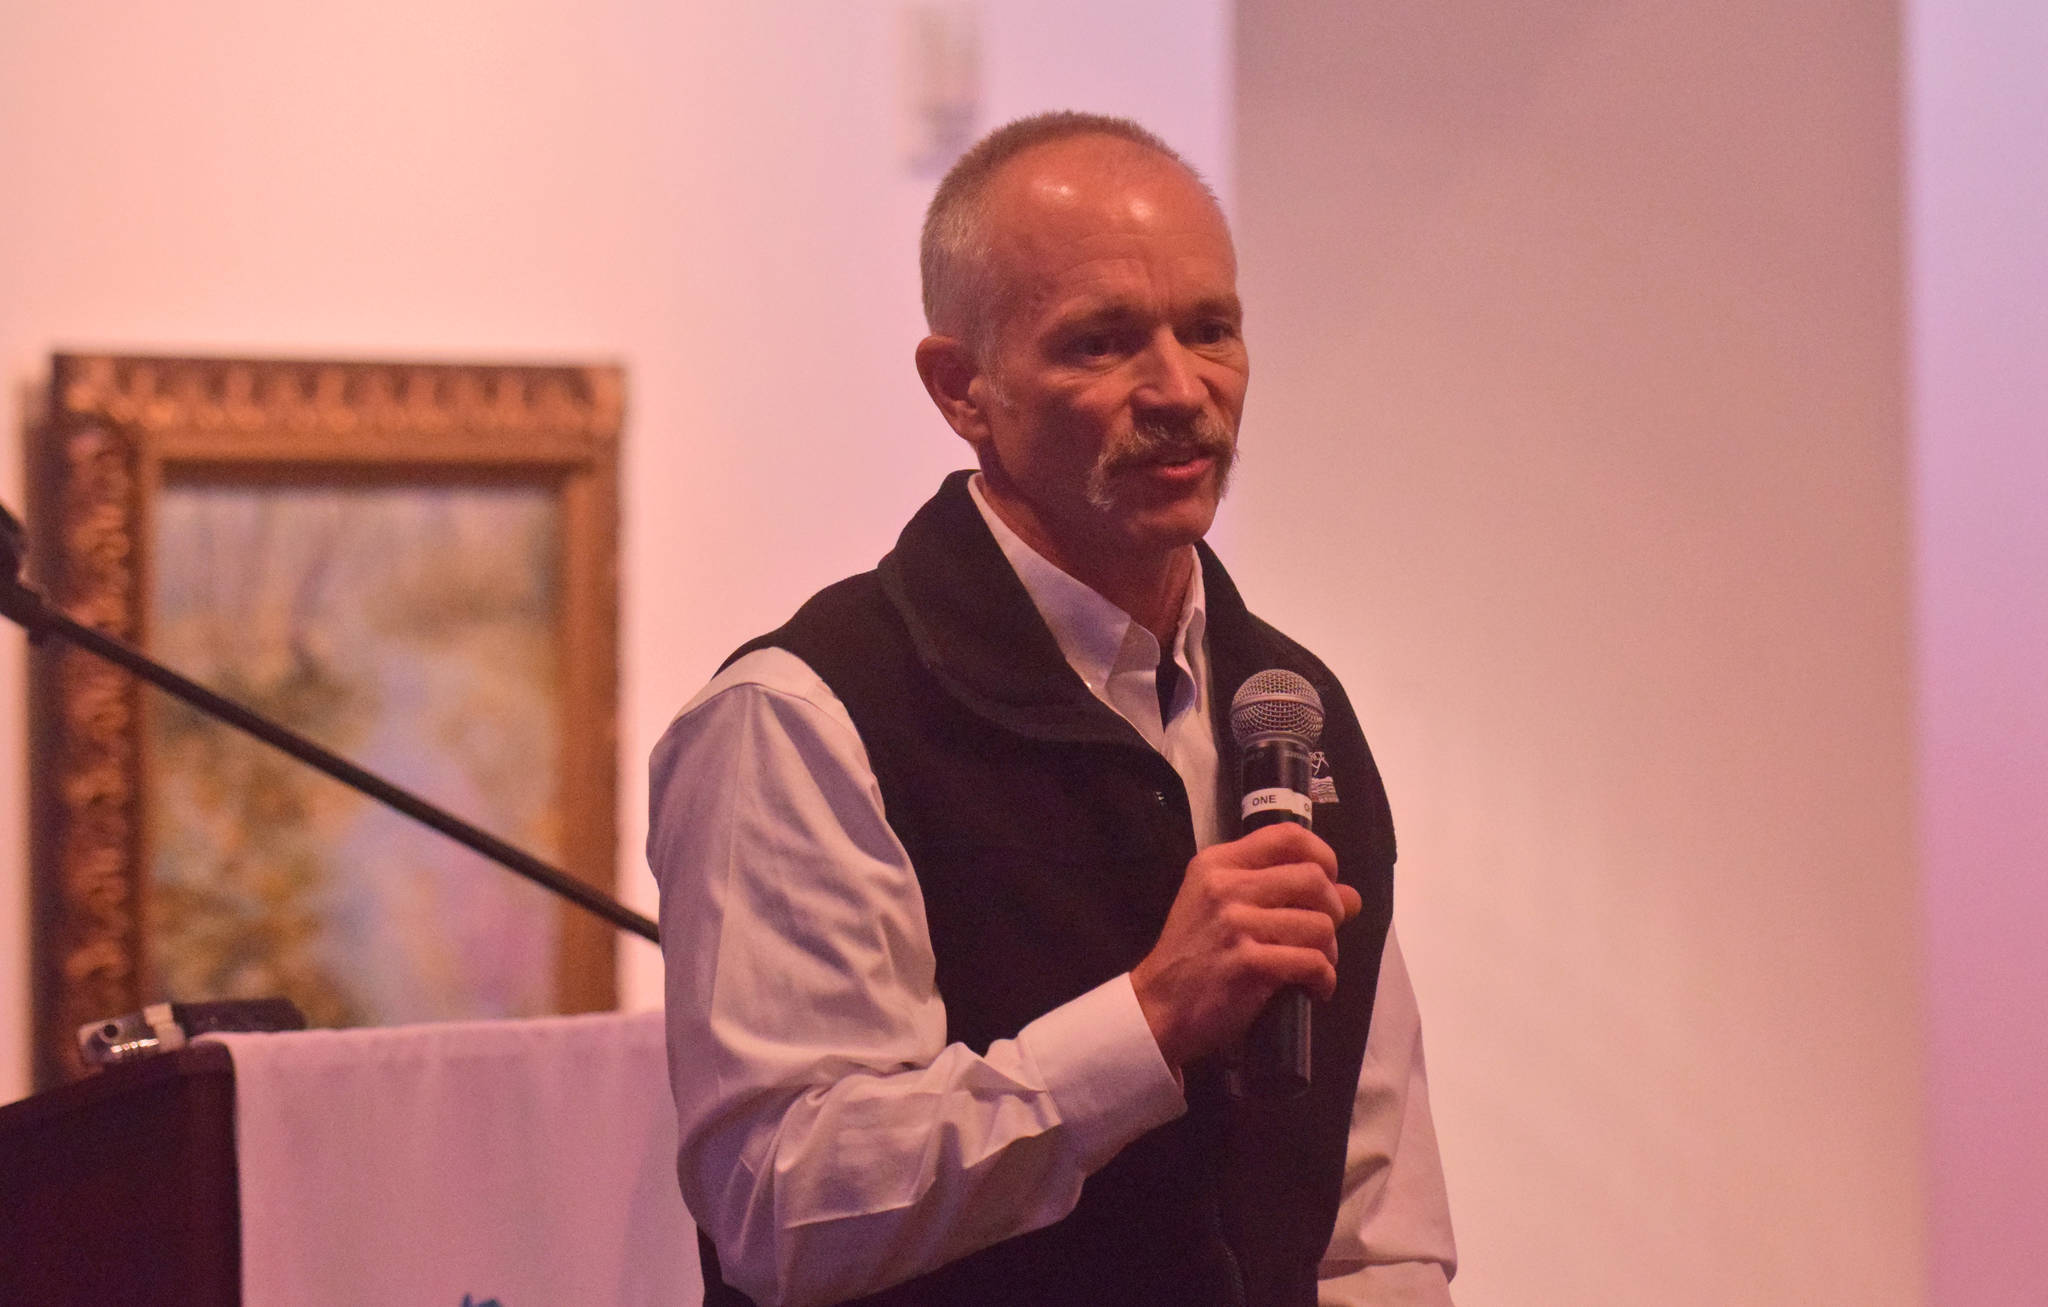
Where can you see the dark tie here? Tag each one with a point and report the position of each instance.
(1168, 681)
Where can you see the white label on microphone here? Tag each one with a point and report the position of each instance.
(1280, 798)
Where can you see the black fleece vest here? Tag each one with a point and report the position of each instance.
(1049, 840)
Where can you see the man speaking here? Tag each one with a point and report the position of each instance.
(961, 931)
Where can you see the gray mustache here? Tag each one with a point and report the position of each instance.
(1151, 439)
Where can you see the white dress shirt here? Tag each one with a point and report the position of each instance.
(832, 1142)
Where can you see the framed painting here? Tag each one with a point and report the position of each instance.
(411, 563)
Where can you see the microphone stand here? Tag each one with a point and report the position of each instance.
(25, 605)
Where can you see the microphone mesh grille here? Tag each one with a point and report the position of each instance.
(1276, 702)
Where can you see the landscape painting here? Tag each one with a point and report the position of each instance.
(412, 563)
(412, 630)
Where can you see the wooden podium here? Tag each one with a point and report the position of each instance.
(527, 1161)
(121, 1188)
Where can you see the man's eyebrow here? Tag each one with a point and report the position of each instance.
(1101, 313)
(1109, 312)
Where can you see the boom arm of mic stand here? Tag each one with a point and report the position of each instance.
(22, 604)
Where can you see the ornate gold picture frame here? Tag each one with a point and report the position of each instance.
(418, 561)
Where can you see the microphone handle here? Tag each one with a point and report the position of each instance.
(1272, 1060)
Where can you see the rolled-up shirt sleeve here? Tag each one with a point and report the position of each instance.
(831, 1141)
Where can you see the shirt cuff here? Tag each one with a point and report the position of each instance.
(1097, 1058)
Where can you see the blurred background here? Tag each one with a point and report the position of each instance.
(1647, 423)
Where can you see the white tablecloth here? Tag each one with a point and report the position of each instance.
(530, 1163)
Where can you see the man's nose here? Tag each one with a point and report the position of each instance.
(1169, 379)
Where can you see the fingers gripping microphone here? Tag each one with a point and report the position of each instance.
(1276, 718)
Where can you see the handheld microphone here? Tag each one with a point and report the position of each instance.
(1276, 718)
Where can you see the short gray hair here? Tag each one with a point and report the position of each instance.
(953, 252)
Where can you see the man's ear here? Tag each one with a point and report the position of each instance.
(949, 371)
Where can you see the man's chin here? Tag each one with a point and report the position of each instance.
(1156, 512)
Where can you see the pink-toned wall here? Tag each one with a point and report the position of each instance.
(1587, 322)
(1977, 158)
(1577, 439)
(712, 194)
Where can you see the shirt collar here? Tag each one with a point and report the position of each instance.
(1097, 638)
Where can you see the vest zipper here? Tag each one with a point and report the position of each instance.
(1237, 1293)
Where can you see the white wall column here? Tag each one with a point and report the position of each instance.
(1977, 135)
(1577, 439)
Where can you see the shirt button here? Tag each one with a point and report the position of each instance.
(1159, 797)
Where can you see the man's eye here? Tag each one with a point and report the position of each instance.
(1094, 345)
(1214, 332)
